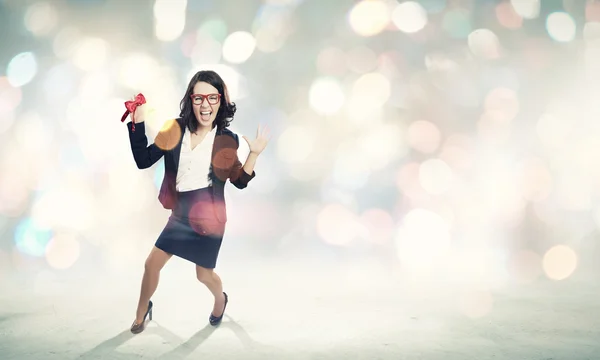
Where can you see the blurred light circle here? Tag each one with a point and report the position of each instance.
(382, 144)
(326, 96)
(238, 47)
(91, 54)
(136, 70)
(14, 191)
(295, 144)
(457, 157)
(407, 181)
(33, 133)
(371, 90)
(168, 132)
(424, 136)
(560, 262)
(528, 9)
(269, 41)
(435, 176)
(484, 43)
(508, 17)
(536, 180)
(369, 17)
(561, 26)
(409, 17)
(62, 251)
(231, 77)
(188, 42)
(215, 28)
(331, 61)
(64, 208)
(30, 238)
(164, 9)
(503, 101)
(95, 87)
(592, 10)
(337, 225)
(169, 30)
(206, 50)
(272, 26)
(41, 18)
(361, 60)
(21, 69)
(494, 127)
(380, 225)
(169, 16)
(65, 42)
(422, 238)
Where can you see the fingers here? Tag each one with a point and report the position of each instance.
(266, 132)
(262, 130)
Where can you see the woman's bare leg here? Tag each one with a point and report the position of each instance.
(213, 282)
(154, 263)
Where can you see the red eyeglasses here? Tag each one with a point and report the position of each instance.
(198, 99)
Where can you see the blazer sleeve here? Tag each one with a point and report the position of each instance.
(144, 155)
(238, 177)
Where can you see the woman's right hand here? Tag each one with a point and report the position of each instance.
(140, 113)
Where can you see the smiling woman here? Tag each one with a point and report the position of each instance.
(200, 155)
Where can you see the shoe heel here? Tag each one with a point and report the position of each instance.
(150, 315)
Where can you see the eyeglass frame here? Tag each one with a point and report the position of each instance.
(203, 96)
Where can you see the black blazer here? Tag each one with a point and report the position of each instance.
(224, 161)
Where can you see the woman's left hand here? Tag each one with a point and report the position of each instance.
(260, 143)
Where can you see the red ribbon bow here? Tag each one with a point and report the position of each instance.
(131, 105)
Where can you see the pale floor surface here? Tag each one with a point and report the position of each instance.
(291, 314)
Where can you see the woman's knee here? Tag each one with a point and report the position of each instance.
(156, 260)
(204, 275)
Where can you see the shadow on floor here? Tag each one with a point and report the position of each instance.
(108, 348)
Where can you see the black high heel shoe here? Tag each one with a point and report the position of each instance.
(138, 328)
(214, 321)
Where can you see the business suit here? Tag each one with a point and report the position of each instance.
(194, 238)
(224, 161)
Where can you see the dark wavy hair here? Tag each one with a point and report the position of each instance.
(226, 109)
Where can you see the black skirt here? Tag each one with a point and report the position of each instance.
(193, 232)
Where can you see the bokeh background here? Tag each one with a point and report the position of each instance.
(433, 140)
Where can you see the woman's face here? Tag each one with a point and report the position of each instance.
(205, 102)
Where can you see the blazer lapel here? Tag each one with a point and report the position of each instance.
(176, 153)
(215, 147)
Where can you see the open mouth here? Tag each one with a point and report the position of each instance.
(205, 115)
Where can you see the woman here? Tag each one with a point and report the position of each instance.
(200, 154)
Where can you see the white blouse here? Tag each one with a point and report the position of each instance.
(194, 165)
